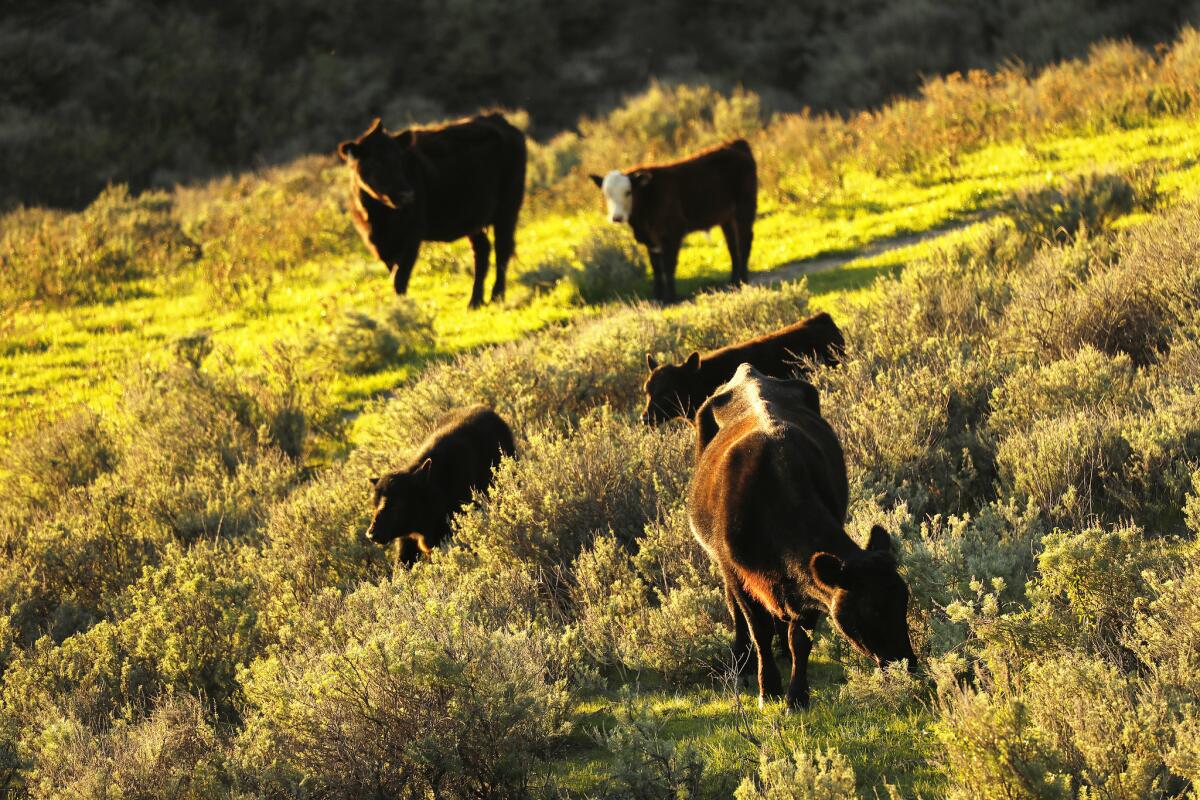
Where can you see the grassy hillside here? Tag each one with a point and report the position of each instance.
(198, 383)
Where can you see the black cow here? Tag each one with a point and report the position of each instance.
(456, 459)
(439, 184)
(677, 390)
(768, 504)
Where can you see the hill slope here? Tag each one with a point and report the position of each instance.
(192, 609)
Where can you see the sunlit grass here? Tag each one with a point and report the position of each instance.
(55, 358)
(885, 745)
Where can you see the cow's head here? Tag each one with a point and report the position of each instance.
(380, 165)
(401, 503)
(618, 191)
(868, 600)
(669, 389)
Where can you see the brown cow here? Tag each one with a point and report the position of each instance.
(665, 202)
(677, 390)
(768, 504)
(439, 184)
(456, 459)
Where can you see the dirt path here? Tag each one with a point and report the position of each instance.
(794, 269)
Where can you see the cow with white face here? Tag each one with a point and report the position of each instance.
(618, 193)
(663, 203)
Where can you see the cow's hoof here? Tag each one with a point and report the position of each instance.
(797, 702)
(475, 303)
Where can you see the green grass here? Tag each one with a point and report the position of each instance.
(53, 359)
(885, 745)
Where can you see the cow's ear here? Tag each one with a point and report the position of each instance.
(693, 361)
(425, 469)
(651, 362)
(706, 425)
(828, 569)
(812, 398)
(880, 540)
(596, 179)
(376, 125)
(345, 150)
(641, 178)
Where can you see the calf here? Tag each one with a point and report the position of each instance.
(768, 504)
(416, 503)
(664, 202)
(677, 390)
(438, 184)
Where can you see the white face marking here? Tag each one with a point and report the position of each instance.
(618, 191)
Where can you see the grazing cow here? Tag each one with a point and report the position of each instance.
(768, 504)
(457, 458)
(438, 184)
(677, 390)
(665, 202)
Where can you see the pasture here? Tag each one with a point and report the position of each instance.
(196, 385)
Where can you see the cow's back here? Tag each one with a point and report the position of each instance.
(474, 175)
(776, 354)
(707, 189)
(770, 486)
(467, 444)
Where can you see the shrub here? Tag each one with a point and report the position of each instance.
(254, 228)
(76, 258)
(175, 752)
(197, 448)
(646, 766)
(797, 775)
(1086, 580)
(1087, 380)
(1062, 464)
(1002, 743)
(188, 623)
(1165, 632)
(64, 571)
(41, 466)
(399, 694)
(1131, 296)
(950, 558)
(313, 540)
(611, 266)
(910, 430)
(1088, 202)
(560, 376)
(359, 343)
(1164, 442)
(546, 274)
(652, 611)
(546, 506)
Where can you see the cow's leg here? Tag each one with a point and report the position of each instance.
(483, 249)
(742, 647)
(657, 270)
(670, 259)
(505, 245)
(745, 226)
(781, 634)
(800, 641)
(409, 551)
(734, 246)
(762, 626)
(402, 267)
